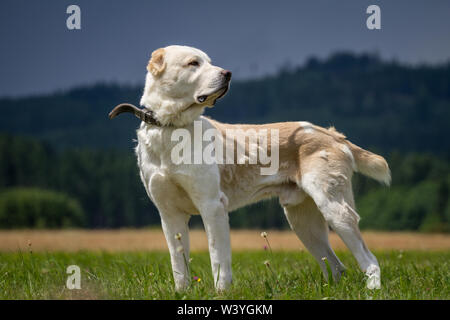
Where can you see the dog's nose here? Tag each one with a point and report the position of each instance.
(226, 74)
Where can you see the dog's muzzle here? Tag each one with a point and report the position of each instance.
(225, 83)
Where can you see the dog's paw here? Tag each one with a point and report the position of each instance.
(373, 274)
(373, 282)
(223, 285)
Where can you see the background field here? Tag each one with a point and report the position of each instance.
(126, 240)
(135, 264)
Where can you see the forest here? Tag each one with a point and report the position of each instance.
(63, 163)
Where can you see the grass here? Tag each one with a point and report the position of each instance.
(292, 275)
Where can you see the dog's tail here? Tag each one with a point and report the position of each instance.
(371, 164)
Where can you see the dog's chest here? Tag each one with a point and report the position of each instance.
(153, 149)
(160, 172)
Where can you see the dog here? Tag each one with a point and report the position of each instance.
(312, 181)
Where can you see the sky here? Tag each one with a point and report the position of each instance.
(252, 38)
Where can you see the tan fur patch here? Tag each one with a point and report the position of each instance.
(157, 64)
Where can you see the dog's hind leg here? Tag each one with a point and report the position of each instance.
(311, 228)
(334, 199)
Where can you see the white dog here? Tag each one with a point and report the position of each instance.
(313, 181)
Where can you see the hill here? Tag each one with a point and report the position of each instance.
(377, 104)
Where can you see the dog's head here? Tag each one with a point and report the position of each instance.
(181, 82)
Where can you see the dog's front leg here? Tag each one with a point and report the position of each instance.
(215, 220)
(202, 183)
(175, 227)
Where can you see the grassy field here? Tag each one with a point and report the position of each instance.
(135, 264)
(292, 275)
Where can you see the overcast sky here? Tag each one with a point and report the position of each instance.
(38, 54)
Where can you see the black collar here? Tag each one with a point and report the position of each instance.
(146, 115)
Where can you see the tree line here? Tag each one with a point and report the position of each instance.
(45, 187)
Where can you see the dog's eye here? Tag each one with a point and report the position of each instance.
(194, 63)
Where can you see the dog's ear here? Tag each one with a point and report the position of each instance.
(157, 63)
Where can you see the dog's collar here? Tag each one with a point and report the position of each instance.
(146, 115)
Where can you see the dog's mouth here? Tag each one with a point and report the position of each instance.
(214, 96)
(222, 92)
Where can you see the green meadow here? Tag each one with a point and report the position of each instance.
(289, 275)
